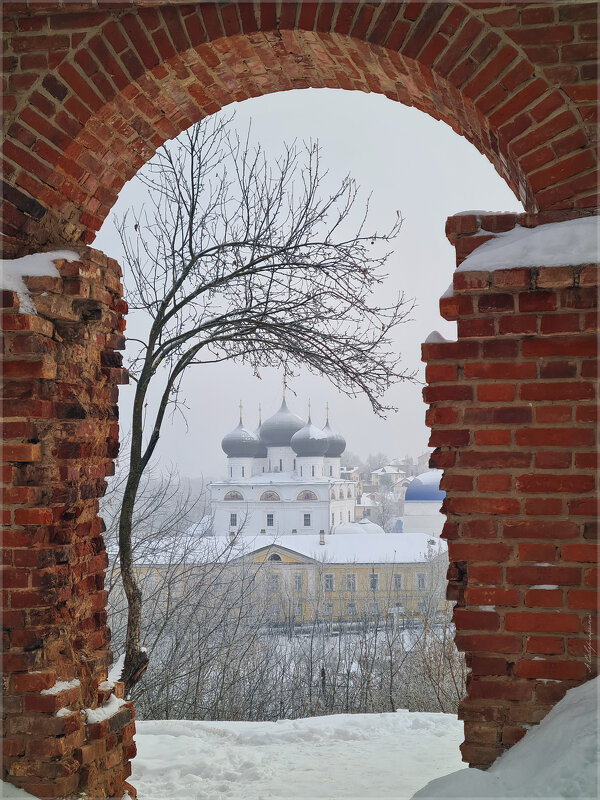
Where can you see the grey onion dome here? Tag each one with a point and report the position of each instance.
(261, 450)
(310, 441)
(337, 443)
(278, 430)
(240, 443)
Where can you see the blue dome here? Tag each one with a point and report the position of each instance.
(425, 488)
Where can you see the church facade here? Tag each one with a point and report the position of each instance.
(291, 522)
(283, 479)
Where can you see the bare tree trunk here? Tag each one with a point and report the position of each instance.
(136, 660)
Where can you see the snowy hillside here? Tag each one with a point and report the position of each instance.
(349, 756)
(362, 756)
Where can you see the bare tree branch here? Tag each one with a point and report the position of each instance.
(234, 258)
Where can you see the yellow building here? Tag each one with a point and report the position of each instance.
(346, 578)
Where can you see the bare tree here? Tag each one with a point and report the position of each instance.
(236, 259)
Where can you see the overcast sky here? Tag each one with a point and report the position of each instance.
(411, 163)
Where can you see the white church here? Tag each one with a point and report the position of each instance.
(284, 502)
(284, 479)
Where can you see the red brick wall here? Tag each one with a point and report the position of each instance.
(61, 371)
(91, 90)
(513, 415)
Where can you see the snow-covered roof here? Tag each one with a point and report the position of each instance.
(366, 500)
(275, 478)
(557, 244)
(389, 469)
(348, 548)
(361, 527)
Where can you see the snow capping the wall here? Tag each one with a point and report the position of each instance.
(557, 244)
(557, 758)
(62, 686)
(12, 272)
(108, 710)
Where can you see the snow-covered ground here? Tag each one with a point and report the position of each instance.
(360, 756)
(557, 758)
(349, 756)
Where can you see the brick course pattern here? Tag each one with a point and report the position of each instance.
(61, 372)
(91, 90)
(513, 414)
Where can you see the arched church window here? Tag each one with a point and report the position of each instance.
(274, 557)
(233, 495)
(269, 495)
(332, 495)
(341, 495)
(349, 492)
(307, 495)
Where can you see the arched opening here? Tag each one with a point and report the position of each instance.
(91, 96)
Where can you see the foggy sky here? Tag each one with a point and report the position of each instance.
(412, 164)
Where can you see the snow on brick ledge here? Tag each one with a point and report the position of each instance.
(108, 710)
(61, 686)
(556, 244)
(12, 272)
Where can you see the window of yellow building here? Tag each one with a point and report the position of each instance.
(328, 582)
(351, 582)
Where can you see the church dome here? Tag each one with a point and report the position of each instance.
(368, 526)
(310, 441)
(261, 450)
(425, 488)
(337, 443)
(240, 443)
(278, 430)
(364, 526)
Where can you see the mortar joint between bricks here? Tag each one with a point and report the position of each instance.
(533, 278)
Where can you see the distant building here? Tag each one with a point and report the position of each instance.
(347, 578)
(283, 479)
(422, 503)
(365, 506)
(299, 525)
(387, 475)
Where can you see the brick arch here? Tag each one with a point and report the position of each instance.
(92, 95)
